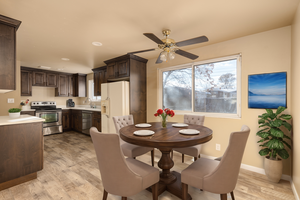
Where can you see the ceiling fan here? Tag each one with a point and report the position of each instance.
(169, 46)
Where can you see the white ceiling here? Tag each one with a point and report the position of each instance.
(55, 29)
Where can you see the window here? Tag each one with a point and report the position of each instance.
(91, 92)
(210, 87)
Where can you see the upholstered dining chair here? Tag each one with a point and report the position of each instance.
(193, 150)
(130, 150)
(120, 176)
(217, 176)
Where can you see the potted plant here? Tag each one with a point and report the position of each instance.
(273, 141)
(14, 112)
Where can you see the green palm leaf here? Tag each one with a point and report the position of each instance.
(264, 152)
(287, 125)
(280, 109)
(263, 134)
(275, 144)
(276, 123)
(286, 117)
(283, 153)
(276, 132)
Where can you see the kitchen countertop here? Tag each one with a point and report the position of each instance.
(79, 108)
(6, 120)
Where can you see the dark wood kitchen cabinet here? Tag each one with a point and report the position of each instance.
(99, 78)
(8, 28)
(119, 69)
(80, 85)
(62, 89)
(97, 120)
(51, 80)
(133, 69)
(38, 78)
(76, 117)
(66, 120)
(26, 83)
(71, 85)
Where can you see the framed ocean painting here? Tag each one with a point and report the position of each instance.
(267, 90)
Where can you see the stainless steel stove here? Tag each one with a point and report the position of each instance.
(53, 116)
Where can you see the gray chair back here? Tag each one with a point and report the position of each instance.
(223, 179)
(122, 121)
(194, 119)
(117, 177)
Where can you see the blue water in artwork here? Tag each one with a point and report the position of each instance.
(267, 90)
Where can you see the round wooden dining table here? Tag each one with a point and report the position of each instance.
(165, 139)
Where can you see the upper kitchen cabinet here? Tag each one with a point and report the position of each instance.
(62, 89)
(118, 69)
(39, 78)
(26, 83)
(8, 28)
(71, 85)
(132, 68)
(80, 85)
(44, 78)
(51, 79)
(100, 76)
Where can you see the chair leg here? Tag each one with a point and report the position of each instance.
(184, 191)
(232, 196)
(223, 196)
(195, 158)
(104, 195)
(172, 154)
(199, 156)
(152, 157)
(182, 158)
(133, 157)
(155, 191)
(124, 198)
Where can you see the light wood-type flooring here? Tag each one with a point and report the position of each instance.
(71, 172)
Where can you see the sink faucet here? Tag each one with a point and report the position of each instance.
(91, 103)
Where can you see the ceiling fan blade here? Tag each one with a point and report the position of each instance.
(153, 37)
(141, 51)
(158, 59)
(186, 54)
(192, 41)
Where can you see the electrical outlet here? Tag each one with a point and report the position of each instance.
(10, 100)
(218, 147)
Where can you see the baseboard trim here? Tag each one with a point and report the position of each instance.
(262, 171)
(294, 191)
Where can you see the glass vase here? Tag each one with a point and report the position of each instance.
(164, 122)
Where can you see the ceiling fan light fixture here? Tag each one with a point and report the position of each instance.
(164, 56)
(171, 55)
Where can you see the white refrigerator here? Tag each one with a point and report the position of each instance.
(114, 102)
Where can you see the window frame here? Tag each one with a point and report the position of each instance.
(91, 92)
(188, 65)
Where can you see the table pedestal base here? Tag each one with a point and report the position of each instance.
(173, 188)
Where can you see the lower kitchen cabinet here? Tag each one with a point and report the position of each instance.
(81, 120)
(66, 120)
(97, 120)
(76, 118)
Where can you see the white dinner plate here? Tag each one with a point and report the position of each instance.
(143, 125)
(143, 132)
(180, 125)
(189, 131)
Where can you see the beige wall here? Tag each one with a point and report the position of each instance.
(261, 53)
(38, 94)
(295, 98)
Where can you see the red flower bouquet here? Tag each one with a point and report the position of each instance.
(164, 114)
